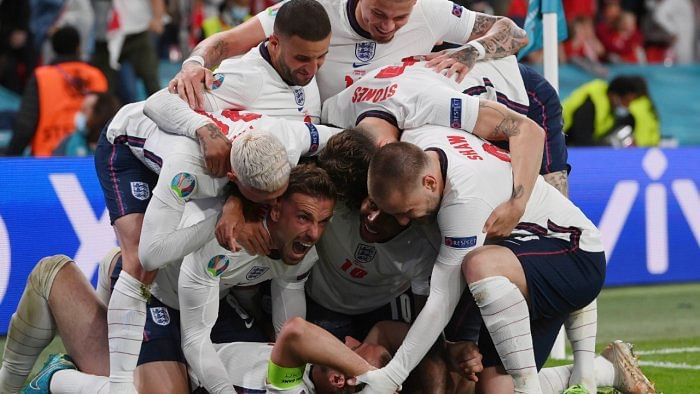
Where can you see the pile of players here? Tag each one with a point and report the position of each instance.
(407, 210)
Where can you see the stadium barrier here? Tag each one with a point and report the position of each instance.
(645, 201)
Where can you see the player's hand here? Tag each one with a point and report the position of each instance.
(216, 149)
(230, 224)
(255, 238)
(378, 382)
(451, 62)
(503, 219)
(188, 84)
(465, 359)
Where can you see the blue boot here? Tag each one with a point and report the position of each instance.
(42, 380)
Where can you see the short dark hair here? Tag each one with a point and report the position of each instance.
(346, 158)
(105, 108)
(65, 41)
(628, 84)
(312, 181)
(306, 19)
(395, 166)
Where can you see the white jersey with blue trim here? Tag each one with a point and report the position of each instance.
(247, 362)
(205, 277)
(353, 52)
(153, 146)
(410, 95)
(355, 276)
(251, 83)
(479, 178)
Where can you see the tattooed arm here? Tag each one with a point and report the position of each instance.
(188, 82)
(216, 149)
(560, 180)
(496, 122)
(497, 36)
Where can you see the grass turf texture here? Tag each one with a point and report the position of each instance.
(652, 317)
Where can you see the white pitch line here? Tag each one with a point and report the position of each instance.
(664, 364)
(668, 351)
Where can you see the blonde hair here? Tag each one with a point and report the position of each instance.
(259, 160)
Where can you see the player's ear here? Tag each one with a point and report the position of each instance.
(336, 379)
(276, 211)
(232, 176)
(274, 41)
(429, 182)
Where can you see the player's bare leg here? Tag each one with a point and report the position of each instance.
(127, 307)
(57, 297)
(32, 327)
(154, 377)
(497, 281)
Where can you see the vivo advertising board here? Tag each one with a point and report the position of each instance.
(645, 201)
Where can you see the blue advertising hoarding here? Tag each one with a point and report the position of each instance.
(645, 201)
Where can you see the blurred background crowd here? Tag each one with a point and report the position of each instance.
(67, 65)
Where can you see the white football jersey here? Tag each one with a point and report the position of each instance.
(410, 95)
(246, 363)
(251, 83)
(355, 277)
(185, 175)
(212, 262)
(353, 53)
(478, 177)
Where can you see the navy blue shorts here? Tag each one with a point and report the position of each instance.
(401, 308)
(126, 182)
(561, 278)
(545, 110)
(162, 340)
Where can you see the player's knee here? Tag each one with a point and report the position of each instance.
(42, 276)
(475, 265)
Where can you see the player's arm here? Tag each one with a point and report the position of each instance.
(195, 75)
(198, 294)
(174, 116)
(460, 224)
(288, 301)
(526, 140)
(163, 239)
(491, 37)
(301, 342)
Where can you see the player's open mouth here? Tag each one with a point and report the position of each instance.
(301, 247)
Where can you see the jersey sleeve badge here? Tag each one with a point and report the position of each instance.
(217, 265)
(183, 185)
(460, 242)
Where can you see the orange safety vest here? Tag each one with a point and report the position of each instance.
(61, 89)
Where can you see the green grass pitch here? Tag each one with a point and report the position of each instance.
(663, 322)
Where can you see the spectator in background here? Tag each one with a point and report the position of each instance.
(80, 15)
(620, 114)
(53, 96)
(17, 56)
(677, 17)
(97, 109)
(583, 47)
(131, 45)
(622, 39)
(231, 13)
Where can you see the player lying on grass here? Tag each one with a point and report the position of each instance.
(58, 298)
